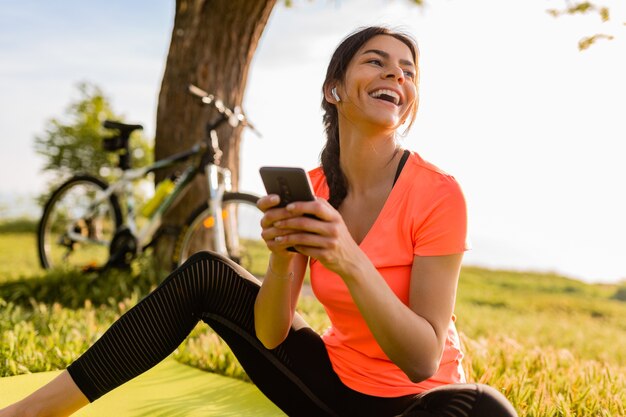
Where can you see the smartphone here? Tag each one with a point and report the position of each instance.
(290, 184)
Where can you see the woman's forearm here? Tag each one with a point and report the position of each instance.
(274, 307)
(408, 339)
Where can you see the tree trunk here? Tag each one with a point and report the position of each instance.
(212, 45)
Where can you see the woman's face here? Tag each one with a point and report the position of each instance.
(379, 88)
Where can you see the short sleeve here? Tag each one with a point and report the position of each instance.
(318, 181)
(441, 229)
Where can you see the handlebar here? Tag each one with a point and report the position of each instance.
(235, 117)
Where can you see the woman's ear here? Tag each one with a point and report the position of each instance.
(331, 95)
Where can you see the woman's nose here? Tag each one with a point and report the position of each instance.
(395, 73)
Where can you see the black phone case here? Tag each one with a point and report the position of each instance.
(290, 184)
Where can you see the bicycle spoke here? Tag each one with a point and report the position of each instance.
(242, 233)
(77, 226)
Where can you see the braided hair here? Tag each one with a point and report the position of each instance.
(335, 74)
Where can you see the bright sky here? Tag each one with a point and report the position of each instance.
(533, 129)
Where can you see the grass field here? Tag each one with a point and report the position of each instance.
(18, 256)
(554, 346)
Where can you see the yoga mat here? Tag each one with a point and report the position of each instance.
(170, 389)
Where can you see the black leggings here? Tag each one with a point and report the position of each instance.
(297, 376)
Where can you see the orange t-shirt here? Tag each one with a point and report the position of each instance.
(425, 215)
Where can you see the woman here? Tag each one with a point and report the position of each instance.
(385, 252)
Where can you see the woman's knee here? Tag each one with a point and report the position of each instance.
(195, 272)
(492, 402)
(213, 267)
(204, 256)
(462, 400)
(205, 263)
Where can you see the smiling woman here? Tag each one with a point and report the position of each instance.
(370, 63)
(384, 242)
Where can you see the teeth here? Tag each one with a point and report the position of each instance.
(390, 93)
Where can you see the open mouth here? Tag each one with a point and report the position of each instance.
(386, 95)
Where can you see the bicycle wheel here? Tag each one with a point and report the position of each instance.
(242, 229)
(77, 225)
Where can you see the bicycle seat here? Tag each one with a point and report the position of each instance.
(124, 129)
(120, 140)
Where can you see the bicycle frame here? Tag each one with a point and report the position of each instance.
(218, 181)
(208, 156)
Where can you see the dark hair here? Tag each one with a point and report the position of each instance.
(336, 73)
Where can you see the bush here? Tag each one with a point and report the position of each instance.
(620, 294)
(19, 225)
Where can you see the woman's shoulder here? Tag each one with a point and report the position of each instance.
(420, 163)
(424, 174)
(438, 210)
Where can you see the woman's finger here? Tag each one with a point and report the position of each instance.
(303, 239)
(319, 208)
(272, 215)
(307, 224)
(270, 233)
(280, 245)
(267, 202)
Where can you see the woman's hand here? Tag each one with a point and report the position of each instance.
(324, 237)
(270, 232)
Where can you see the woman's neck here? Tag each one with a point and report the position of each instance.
(367, 160)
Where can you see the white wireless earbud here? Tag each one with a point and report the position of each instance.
(334, 94)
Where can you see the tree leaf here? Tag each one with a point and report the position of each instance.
(586, 42)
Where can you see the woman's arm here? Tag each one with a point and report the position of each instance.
(413, 336)
(275, 305)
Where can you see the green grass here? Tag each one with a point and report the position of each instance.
(540, 310)
(18, 255)
(554, 346)
(255, 256)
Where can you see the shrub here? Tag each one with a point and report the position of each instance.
(19, 225)
(620, 293)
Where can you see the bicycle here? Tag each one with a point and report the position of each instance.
(83, 225)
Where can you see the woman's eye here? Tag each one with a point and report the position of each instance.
(375, 62)
(409, 74)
